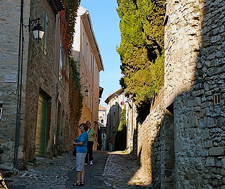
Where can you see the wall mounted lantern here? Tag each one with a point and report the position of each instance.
(38, 31)
(86, 92)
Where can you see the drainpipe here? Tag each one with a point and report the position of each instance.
(19, 87)
(93, 77)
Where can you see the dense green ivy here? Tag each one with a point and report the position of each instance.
(76, 97)
(68, 20)
(67, 30)
(141, 47)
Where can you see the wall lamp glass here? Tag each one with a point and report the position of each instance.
(38, 31)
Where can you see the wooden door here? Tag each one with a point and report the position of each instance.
(41, 128)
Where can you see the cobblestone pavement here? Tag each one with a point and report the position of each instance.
(48, 174)
(120, 171)
(123, 171)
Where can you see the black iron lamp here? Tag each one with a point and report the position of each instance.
(38, 31)
(86, 92)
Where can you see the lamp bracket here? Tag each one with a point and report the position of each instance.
(83, 86)
(33, 21)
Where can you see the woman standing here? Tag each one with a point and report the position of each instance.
(81, 150)
(91, 138)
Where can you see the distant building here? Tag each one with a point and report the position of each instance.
(115, 104)
(86, 53)
(102, 116)
(102, 127)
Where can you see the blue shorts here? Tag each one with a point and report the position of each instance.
(80, 160)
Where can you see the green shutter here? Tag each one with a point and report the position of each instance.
(41, 128)
(45, 26)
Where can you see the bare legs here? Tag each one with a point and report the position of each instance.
(80, 176)
(80, 158)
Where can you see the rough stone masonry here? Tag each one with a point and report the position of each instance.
(184, 147)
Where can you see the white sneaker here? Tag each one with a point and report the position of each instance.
(85, 164)
(91, 163)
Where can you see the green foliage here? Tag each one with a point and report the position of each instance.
(140, 50)
(68, 20)
(121, 136)
(76, 97)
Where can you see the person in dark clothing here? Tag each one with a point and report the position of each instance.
(91, 138)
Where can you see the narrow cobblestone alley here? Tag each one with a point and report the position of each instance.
(110, 170)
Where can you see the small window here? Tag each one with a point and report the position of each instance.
(45, 26)
(217, 98)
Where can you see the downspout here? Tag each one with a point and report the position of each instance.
(19, 87)
(93, 78)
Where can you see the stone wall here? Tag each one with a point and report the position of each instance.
(194, 68)
(9, 53)
(184, 143)
(156, 145)
(41, 74)
(131, 116)
(43, 77)
(113, 120)
(115, 104)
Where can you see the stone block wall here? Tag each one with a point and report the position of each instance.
(9, 52)
(113, 120)
(43, 76)
(40, 73)
(156, 145)
(181, 143)
(131, 117)
(194, 84)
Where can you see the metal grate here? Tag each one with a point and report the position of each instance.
(217, 98)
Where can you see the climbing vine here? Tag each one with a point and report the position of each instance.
(67, 23)
(76, 97)
(67, 30)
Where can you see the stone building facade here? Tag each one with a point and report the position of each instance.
(102, 116)
(102, 127)
(35, 117)
(115, 104)
(184, 145)
(131, 117)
